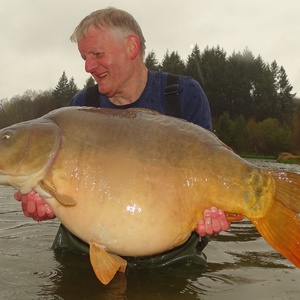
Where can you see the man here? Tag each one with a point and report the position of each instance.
(112, 45)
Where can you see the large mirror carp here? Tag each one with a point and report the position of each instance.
(135, 183)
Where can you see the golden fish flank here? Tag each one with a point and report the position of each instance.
(149, 174)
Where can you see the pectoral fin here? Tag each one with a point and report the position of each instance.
(65, 200)
(105, 264)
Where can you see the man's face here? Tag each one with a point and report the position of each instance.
(107, 59)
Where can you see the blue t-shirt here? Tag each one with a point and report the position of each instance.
(194, 106)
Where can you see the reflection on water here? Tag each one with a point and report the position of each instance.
(241, 265)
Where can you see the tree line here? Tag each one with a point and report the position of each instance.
(33, 104)
(239, 84)
(252, 104)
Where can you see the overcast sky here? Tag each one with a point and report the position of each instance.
(35, 47)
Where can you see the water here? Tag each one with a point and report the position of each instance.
(241, 265)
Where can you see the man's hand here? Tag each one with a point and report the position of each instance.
(34, 206)
(214, 221)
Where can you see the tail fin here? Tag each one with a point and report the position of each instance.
(281, 224)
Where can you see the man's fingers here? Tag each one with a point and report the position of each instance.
(201, 228)
(208, 222)
(49, 211)
(31, 205)
(215, 221)
(18, 196)
(40, 209)
(223, 220)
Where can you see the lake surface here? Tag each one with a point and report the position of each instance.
(241, 265)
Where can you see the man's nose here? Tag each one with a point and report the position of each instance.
(90, 65)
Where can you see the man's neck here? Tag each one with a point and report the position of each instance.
(133, 90)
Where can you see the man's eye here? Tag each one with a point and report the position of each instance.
(99, 54)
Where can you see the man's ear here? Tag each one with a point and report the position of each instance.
(134, 45)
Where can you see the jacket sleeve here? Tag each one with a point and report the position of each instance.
(194, 103)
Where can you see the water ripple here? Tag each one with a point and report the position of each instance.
(211, 283)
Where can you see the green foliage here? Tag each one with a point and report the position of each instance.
(251, 101)
(89, 82)
(214, 80)
(26, 107)
(267, 137)
(72, 89)
(193, 65)
(151, 62)
(239, 84)
(240, 134)
(296, 132)
(284, 95)
(61, 90)
(271, 138)
(173, 63)
(64, 90)
(225, 129)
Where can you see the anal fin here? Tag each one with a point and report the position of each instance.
(105, 264)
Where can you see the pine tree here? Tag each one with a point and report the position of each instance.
(151, 62)
(72, 90)
(285, 97)
(89, 82)
(193, 65)
(173, 63)
(264, 91)
(274, 68)
(61, 91)
(214, 82)
(64, 91)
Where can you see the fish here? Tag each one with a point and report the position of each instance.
(119, 178)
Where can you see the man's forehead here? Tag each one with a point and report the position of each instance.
(103, 32)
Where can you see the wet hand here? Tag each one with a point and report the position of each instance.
(214, 221)
(34, 206)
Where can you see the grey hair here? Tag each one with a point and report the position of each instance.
(113, 18)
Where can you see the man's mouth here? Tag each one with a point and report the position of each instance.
(102, 75)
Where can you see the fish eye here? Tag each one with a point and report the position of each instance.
(6, 136)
